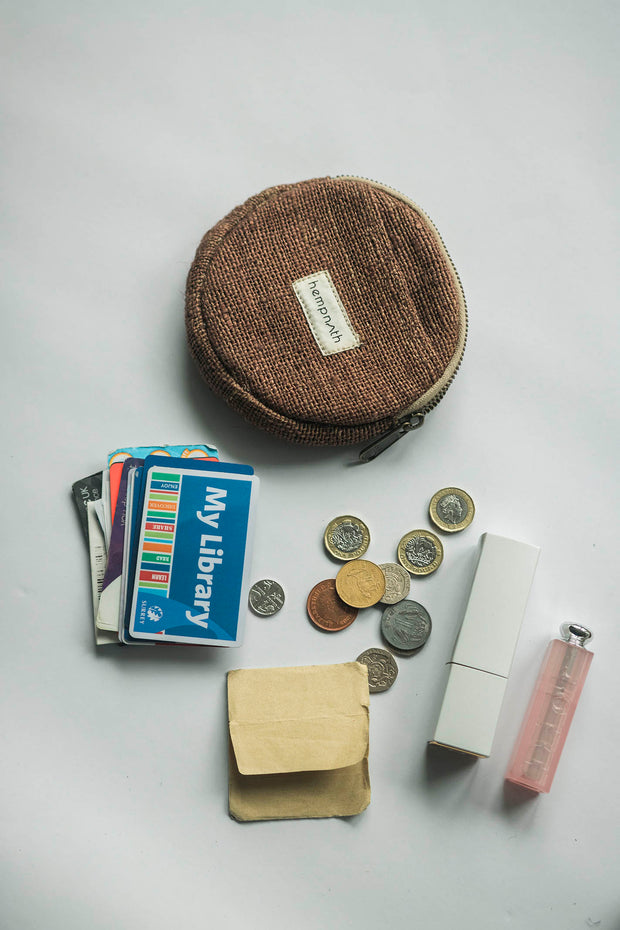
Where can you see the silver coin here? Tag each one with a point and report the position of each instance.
(451, 509)
(397, 583)
(347, 538)
(406, 626)
(421, 551)
(382, 669)
(266, 597)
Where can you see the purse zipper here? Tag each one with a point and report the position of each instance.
(413, 419)
(404, 426)
(409, 422)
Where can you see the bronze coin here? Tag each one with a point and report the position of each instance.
(360, 583)
(327, 610)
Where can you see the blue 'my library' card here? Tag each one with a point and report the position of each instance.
(193, 556)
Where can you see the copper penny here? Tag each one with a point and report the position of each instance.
(327, 610)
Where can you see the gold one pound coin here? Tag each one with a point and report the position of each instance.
(420, 552)
(346, 538)
(451, 509)
(360, 583)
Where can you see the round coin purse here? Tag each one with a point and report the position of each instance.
(327, 312)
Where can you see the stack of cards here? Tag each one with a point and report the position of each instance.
(169, 533)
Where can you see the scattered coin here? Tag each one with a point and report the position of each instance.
(346, 538)
(451, 509)
(406, 626)
(397, 582)
(266, 597)
(360, 583)
(382, 669)
(420, 552)
(327, 610)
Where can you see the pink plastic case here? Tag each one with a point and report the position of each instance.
(550, 712)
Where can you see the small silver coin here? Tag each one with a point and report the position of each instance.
(406, 626)
(382, 669)
(266, 597)
(397, 582)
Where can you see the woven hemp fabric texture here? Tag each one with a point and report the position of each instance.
(387, 271)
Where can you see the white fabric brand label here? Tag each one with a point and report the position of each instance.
(325, 313)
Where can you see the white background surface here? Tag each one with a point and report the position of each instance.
(130, 129)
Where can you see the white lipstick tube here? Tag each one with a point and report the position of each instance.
(480, 665)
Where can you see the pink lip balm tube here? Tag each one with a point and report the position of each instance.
(548, 718)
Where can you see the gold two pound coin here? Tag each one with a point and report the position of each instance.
(346, 538)
(451, 509)
(420, 552)
(360, 583)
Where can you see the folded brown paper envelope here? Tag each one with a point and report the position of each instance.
(298, 741)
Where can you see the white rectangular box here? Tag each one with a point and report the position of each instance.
(480, 664)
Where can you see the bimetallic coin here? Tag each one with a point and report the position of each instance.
(382, 669)
(346, 538)
(360, 583)
(326, 610)
(451, 509)
(397, 583)
(406, 626)
(420, 552)
(266, 597)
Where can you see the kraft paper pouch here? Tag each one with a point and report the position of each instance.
(298, 742)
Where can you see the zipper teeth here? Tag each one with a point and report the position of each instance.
(433, 403)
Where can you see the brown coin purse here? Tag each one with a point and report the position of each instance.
(327, 312)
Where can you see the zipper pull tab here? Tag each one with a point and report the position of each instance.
(413, 421)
